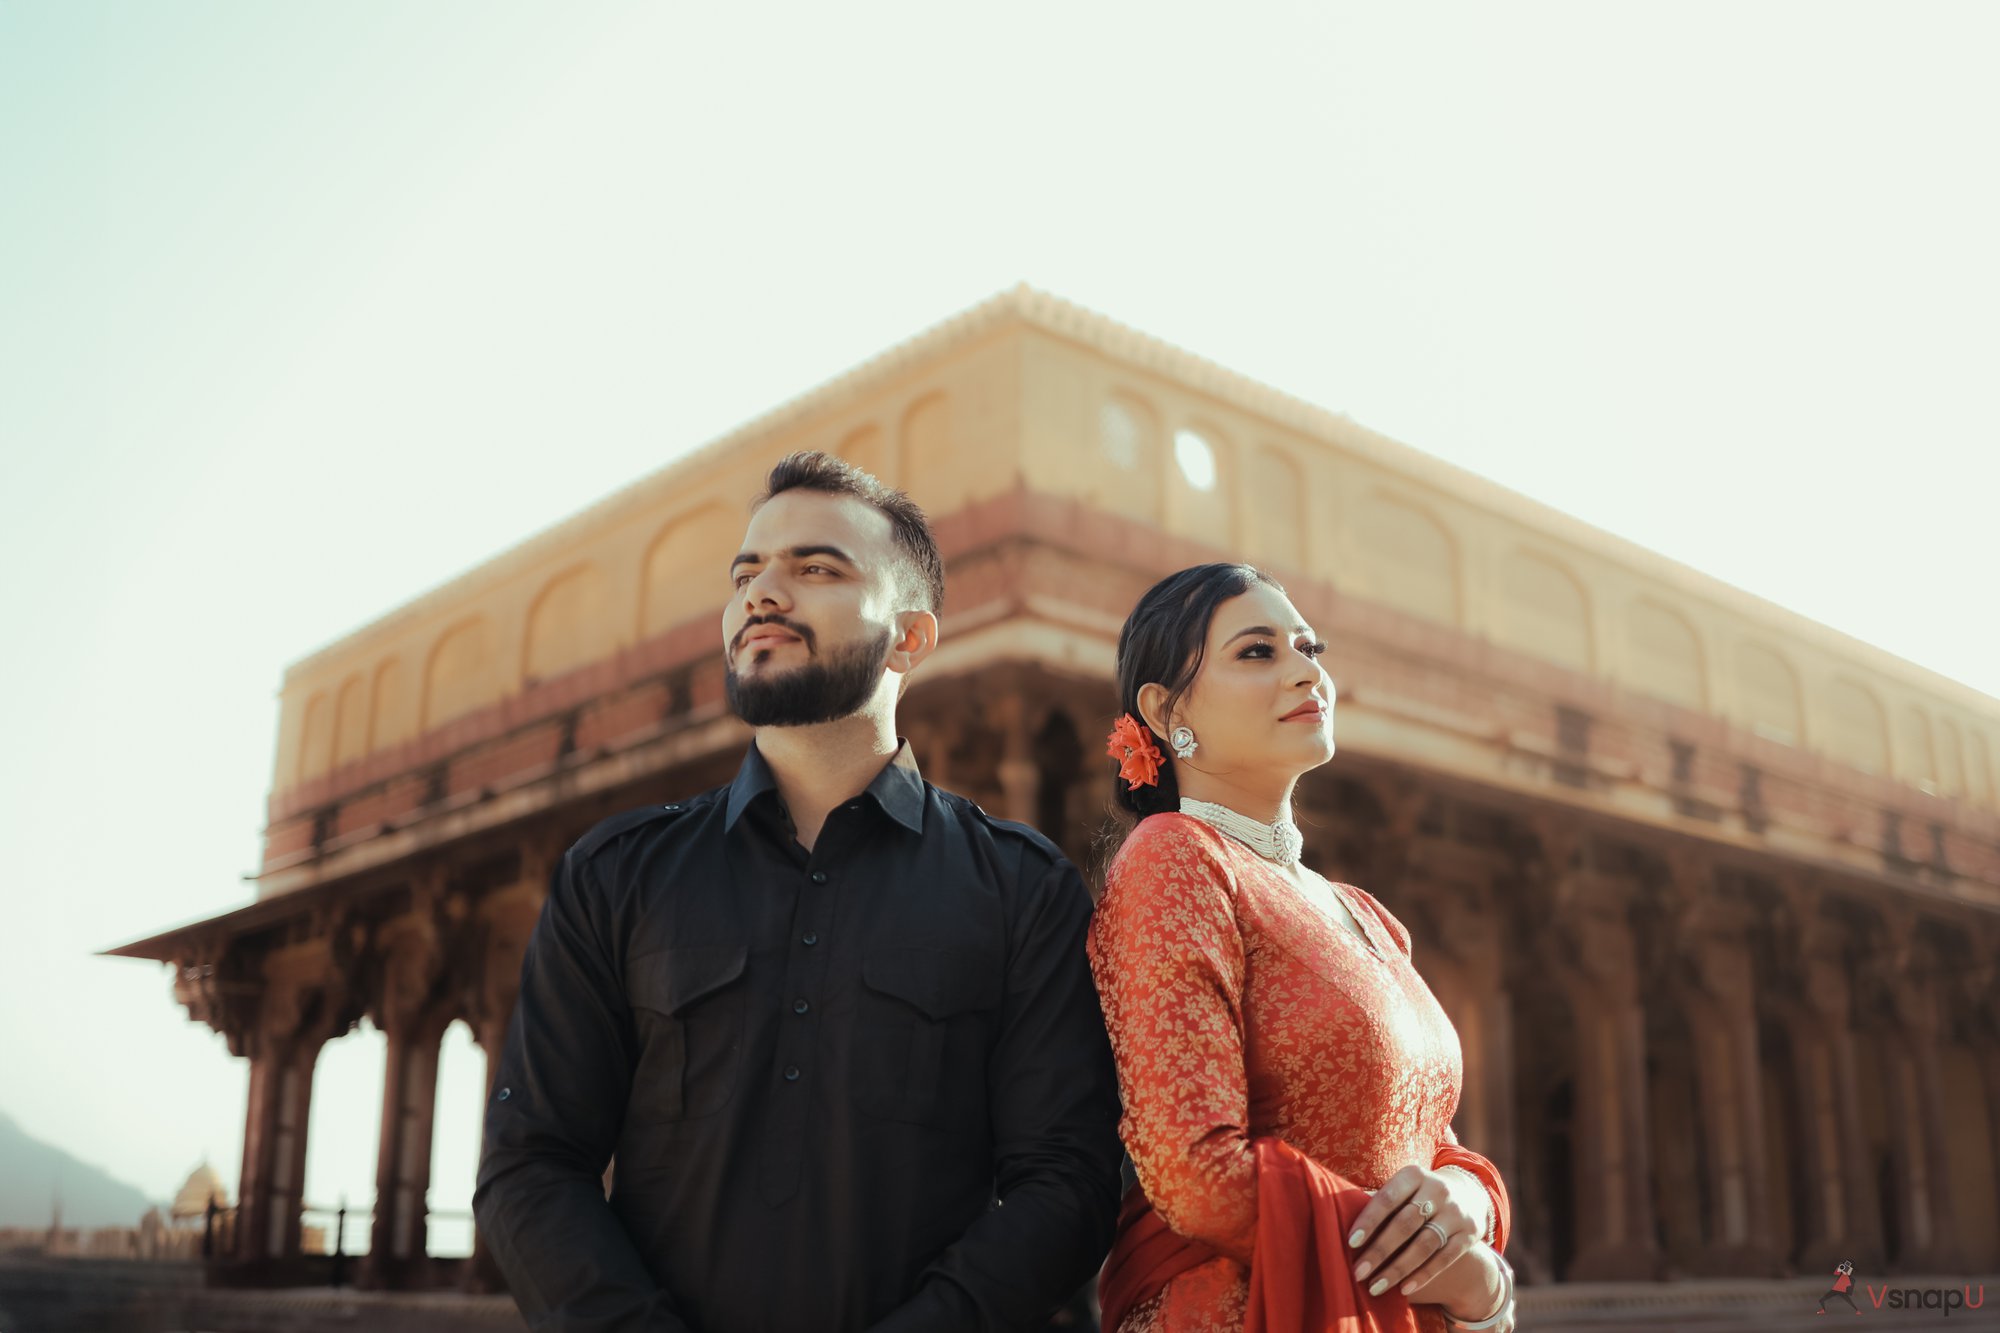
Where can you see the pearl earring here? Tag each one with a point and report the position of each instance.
(1183, 742)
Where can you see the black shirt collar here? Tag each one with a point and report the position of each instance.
(898, 789)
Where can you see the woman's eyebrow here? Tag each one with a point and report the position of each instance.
(1264, 630)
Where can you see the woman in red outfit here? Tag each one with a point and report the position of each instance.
(1288, 1078)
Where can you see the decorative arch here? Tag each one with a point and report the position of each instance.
(569, 624)
(1275, 501)
(315, 737)
(686, 568)
(1951, 758)
(1767, 693)
(1857, 731)
(1543, 610)
(461, 674)
(927, 441)
(867, 447)
(1408, 559)
(350, 721)
(389, 711)
(1919, 754)
(1979, 760)
(1123, 473)
(1663, 655)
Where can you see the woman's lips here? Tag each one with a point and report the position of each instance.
(1307, 713)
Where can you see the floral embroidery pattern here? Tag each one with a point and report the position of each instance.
(1238, 1009)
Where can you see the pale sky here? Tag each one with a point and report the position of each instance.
(306, 308)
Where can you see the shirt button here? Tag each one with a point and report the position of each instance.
(800, 1006)
(819, 877)
(809, 939)
(505, 1093)
(791, 1073)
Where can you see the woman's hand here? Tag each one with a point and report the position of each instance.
(1413, 1235)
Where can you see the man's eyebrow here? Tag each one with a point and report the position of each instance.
(1265, 630)
(793, 553)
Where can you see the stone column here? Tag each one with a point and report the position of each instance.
(305, 1002)
(1613, 1171)
(1020, 780)
(292, 1106)
(1448, 891)
(1914, 1092)
(1713, 985)
(413, 1015)
(252, 1232)
(1813, 997)
(1840, 1221)
(1989, 1070)
(506, 919)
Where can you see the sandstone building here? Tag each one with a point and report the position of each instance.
(1711, 892)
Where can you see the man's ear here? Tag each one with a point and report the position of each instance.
(916, 636)
(1152, 707)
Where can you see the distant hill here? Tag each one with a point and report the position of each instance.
(32, 1171)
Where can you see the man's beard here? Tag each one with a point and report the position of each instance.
(823, 690)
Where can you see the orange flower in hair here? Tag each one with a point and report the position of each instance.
(1131, 744)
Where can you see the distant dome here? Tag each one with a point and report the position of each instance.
(201, 1186)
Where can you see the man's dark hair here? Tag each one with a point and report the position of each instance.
(1164, 640)
(922, 572)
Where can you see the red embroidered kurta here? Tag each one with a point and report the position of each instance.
(1238, 1010)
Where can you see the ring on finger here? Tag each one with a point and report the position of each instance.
(1424, 1207)
(1443, 1239)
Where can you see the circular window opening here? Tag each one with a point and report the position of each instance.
(1197, 459)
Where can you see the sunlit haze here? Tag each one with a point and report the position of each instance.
(306, 308)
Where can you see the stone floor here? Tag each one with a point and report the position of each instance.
(86, 1296)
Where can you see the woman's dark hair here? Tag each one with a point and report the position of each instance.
(1165, 639)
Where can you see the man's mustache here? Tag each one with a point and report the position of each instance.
(804, 634)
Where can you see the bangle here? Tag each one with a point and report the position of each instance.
(1492, 1212)
(1506, 1299)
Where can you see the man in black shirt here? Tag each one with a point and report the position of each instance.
(837, 1025)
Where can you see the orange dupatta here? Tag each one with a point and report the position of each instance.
(1301, 1271)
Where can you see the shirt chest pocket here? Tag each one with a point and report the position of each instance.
(922, 1029)
(690, 1010)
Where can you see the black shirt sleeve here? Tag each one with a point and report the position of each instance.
(1054, 1107)
(552, 1124)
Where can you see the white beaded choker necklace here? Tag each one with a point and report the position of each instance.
(1280, 842)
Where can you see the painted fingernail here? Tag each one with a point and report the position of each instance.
(1360, 1234)
(1381, 1285)
(1363, 1269)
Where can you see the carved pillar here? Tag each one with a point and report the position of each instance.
(1989, 1069)
(504, 921)
(413, 1014)
(1904, 971)
(1711, 980)
(1813, 998)
(1613, 1158)
(1448, 890)
(301, 1001)
(1020, 780)
(292, 1109)
(1841, 1220)
(253, 1206)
